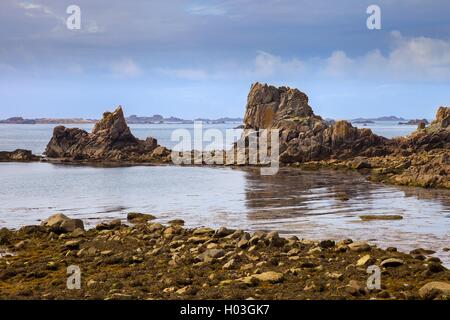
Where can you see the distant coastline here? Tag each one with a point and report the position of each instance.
(133, 119)
(159, 119)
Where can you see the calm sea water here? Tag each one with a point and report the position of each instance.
(36, 137)
(312, 205)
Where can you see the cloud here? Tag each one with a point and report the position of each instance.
(207, 10)
(415, 58)
(125, 67)
(36, 10)
(338, 64)
(267, 64)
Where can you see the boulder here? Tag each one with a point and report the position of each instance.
(60, 223)
(434, 288)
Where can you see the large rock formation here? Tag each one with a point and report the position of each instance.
(305, 136)
(110, 140)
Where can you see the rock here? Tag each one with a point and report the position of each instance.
(392, 262)
(380, 217)
(355, 289)
(232, 264)
(72, 244)
(269, 276)
(223, 232)
(435, 267)
(178, 222)
(327, 244)
(434, 288)
(110, 225)
(203, 231)
(18, 155)
(422, 251)
(60, 223)
(304, 136)
(139, 217)
(243, 243)
(77, 233)
(111, 140)
(211, 254)
(359, 246)
(363, 260)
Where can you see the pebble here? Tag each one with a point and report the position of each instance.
(359, 246)
(392, 262)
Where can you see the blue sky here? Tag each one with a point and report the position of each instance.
(198, 58)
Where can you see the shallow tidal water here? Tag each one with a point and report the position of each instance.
(312, 205)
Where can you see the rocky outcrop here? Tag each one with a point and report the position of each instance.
(18, 155)
(305, 136)
(110, 140)
(427, 138)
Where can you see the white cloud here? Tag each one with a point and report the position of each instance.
(207, 10)
(417, 58)
(338, 64)
(34, 10)
(267, 64)
(125, 67)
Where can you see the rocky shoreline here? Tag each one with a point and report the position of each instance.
(421, 159)
(143, 259)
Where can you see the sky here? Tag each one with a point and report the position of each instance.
(192, 58)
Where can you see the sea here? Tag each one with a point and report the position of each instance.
(317, 205)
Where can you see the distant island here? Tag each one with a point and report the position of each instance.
(415, 122)
(372, 120)
(20, 120)
(133, 119)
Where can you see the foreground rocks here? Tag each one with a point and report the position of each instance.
(148, 260)
(110, 140)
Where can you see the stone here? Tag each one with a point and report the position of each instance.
(431, 289)
(139, 217)
(242, 244)
(211, 254)
(327, 244)
(73, 244)
(355, 288)
(422, 251)
(110, 225)
(203, 231)
(269, 276)
(392, 262)
(359, 246)
(60, 223)
(232, 264)
(179, 222)
(223, 232)
(363, 260)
